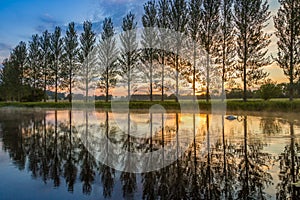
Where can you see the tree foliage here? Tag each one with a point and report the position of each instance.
(149, 43)
(71, 57)
(250, 20)
(232, 33)
(209, 36)
(287, 24)
(269, 90)
(56, 46)
(88, 71)
(194, 28)
(178, 19)
(163, 24)
(227, 49)
(129, 54)
(108, 57)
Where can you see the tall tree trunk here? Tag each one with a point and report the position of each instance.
(56, 85)
(34, 85)
(107, 84)
(45, 85)
(128, 83)
(245, 58)
(87, 82)
(291, 89)
(224, 66)
(177, 136)
(207, 76)
(176, 75)
(194, 72)
(163, 76)
(70, 85)
(151, 75)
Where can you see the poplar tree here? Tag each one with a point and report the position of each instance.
(56, 54)
(19, 58)
(194, 28)
(87, 42)
(71, 57)
(178, 19)
(227, 49)
(34, 56)
(44, 43)
(149, 42)
(251, 18)
(10, 79)
(287, 24)
(108, 56)
(210, 24)
(129, 50)
(163, 12)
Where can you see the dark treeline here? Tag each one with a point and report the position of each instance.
(232, 34)
(51, 150)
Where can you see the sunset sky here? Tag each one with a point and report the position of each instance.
(20, 19)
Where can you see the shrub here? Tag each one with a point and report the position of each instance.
(269, 90)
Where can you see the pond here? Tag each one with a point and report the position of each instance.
(64, 154)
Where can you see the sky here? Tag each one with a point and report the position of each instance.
(21, 19)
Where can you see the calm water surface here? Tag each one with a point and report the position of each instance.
(44, 156)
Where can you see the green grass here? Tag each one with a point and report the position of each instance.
(232, 105)
(36, 104)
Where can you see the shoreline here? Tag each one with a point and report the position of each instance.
(172, 106)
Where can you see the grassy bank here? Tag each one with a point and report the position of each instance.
(232, 105)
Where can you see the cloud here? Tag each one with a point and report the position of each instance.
(4, 51)
(117, 9)
(47, 22)
(4, 46)
(48, 19)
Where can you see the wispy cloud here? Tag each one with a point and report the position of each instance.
(47, 22)
(117, 9)
(4, 51)
(48, 19)
(4, 46)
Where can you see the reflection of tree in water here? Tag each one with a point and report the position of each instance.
(15, 127)
(55, 154)
(128, 180)
(87, 161)
(107, 173)
(149, 179)
(36, 164)
(270, 125)
(162, 187)
(178, 190)
(50, 150)
(44, 146)
(289, 169)
(69, 141)
(208, 168)
(227, 167)
(252, 175)
(107, 178)
(192, 170)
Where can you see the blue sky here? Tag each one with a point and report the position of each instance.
(20, 19)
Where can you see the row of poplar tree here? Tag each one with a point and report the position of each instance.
(232, 33)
